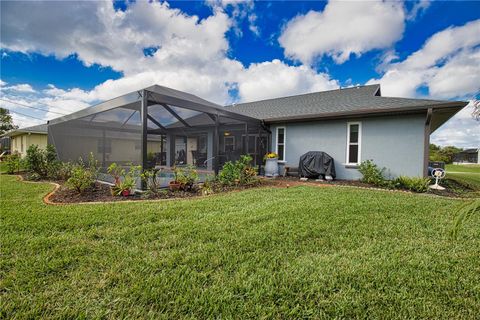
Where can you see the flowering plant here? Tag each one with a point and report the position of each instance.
(270, 155)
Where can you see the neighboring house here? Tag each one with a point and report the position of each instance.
(351, 125)
(21, 139)
(468, 156)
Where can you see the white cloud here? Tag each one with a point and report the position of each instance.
(343, 29)
(460, 131)
(275, 79)
(191, 54)
(448, 64)
(2, 83)
(23, 87)
(418, 8)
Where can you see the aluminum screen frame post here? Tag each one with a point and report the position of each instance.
(216, 145)
(144, 116)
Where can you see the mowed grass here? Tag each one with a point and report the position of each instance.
(472, 168)
(468, 175)
(302, 252)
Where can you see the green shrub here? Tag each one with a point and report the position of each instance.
(35, 160)
(149, 178)
(12, 163)
(415, 184)
(238, 172)
(42, 162)
(187, 176)
(82, 175)
(371, 173)
(81, 178)
(229, 175)
(64, 171)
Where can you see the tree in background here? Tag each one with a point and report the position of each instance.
(6, 121)
(445, 154)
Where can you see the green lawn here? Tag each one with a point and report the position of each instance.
(473, 168)
(3, 167)
(301, 252)
(465, 174)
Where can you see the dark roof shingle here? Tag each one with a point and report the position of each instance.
(355, 100)
(41, 128)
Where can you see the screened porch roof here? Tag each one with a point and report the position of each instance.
(163, 96)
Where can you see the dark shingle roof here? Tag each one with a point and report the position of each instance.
(348, 101)
(41, 128)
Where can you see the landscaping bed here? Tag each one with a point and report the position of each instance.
(453, 188)
(101, 192)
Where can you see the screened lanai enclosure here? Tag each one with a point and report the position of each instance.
(159, 127)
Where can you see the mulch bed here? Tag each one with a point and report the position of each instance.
(101, 193)
(453, 189)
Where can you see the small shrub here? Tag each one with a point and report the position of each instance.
(187, 176)
(12, 163)
(116, 172)
(238, 172)
(149, 177)
(208, 187)
(81, 178)
(415, 184)
(248, 174)
(371, 173)
(229, 175)
(33, 176)
(64, 171)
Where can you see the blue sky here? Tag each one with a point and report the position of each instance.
(64, 56)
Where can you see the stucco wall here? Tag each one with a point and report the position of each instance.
(27, 140)
(394, 142)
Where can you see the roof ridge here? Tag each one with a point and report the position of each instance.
(309, 93)
(431, 100)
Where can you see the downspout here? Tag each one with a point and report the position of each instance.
(426, 142)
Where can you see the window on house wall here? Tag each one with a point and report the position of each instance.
(354, 138)
(280, 149)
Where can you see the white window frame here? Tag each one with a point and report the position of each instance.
(284, 142)
(359, 143)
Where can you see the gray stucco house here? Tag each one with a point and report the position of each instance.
(353, 125)
(162, 127)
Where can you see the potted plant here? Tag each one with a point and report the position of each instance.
(124, 188)
(188, 178)
(124, 183)
(271, 164)
(175, 184)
